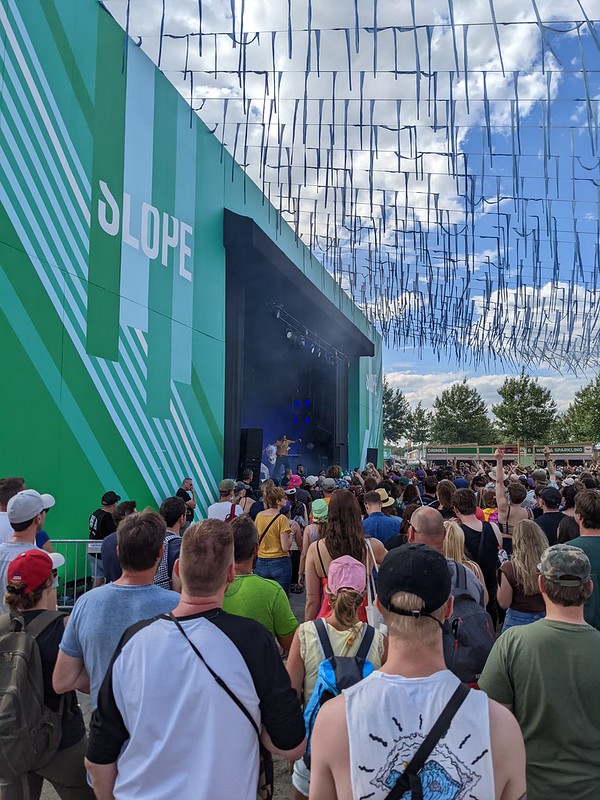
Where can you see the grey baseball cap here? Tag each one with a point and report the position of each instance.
(28, 504)
(565, 565)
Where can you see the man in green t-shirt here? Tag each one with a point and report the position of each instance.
(252, 596)
(587, 514)
(547, 673)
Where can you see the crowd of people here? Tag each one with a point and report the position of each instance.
(448, 646)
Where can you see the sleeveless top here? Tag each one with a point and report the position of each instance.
(482, 547)
(325, 609)
(343, 643)
(388, 717)
(507, 530)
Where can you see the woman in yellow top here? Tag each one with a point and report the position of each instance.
(274, 539)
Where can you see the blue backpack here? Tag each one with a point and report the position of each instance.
(335, 674)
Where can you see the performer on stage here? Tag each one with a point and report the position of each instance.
(270, 453)
(282, 446)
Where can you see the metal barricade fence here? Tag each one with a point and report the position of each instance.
(77, 574)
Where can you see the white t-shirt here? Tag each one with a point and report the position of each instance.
(6, 530)
(389, 716)
(222, 510)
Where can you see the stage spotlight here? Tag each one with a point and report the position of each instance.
(302, 341)
(296, 402)
(307, 420)
(319, 353)
(289, 333)
(312, 349)
(307, 402)
(296, 419)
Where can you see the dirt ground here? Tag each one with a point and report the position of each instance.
(283, 782)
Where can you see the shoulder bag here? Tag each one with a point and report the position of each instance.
(409, 781)
(266, 779)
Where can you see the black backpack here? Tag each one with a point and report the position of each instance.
(29, 731)
(469, 633)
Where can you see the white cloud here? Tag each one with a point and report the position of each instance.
(415, 172)
(426, 386)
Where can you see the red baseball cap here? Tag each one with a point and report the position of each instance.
(33, 568)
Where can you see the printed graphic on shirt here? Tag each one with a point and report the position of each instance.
(445, 775)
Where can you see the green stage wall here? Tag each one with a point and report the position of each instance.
(112, 271)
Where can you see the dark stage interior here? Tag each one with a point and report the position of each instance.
(288, 352)
(286, 388)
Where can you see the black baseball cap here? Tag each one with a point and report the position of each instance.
(416, 569)
(109, 498)
(551, 496)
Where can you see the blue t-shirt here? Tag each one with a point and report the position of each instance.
(101, 616)
(381, 527)
(41, 538)
(110, 559)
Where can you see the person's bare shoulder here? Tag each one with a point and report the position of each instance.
(508, 753)
(330, 753)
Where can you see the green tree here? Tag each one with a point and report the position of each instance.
(582, 418)
(460, 415)
(396, 412)
(419, 425)
(560, 430)
(526, 411)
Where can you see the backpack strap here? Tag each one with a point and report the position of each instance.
(43, 621)
(409, 780)
(461, 576)
(321, 627)
(367, 641)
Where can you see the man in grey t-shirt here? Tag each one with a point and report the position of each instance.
(427, 527)
(26, 513)
(101, 616)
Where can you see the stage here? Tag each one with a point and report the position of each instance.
(289, 353)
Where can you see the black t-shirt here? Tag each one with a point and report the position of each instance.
(256, 508)
(110, 559)
(484, 553)
(549, 523)
(73, 726)
(279, 705)
(101, 524)
(186, 497)
(304, 497)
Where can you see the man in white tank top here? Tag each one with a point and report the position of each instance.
(364, 739)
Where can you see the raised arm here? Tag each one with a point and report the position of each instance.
(550, 464)
(501, 500)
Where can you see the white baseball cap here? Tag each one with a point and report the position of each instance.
(27, 504)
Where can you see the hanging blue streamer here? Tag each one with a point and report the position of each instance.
(496, 34)
(375, 38)
(162, 32)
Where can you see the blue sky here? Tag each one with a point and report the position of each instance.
(448, 173)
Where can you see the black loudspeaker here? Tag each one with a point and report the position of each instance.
(372, 455)
(251, 447)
